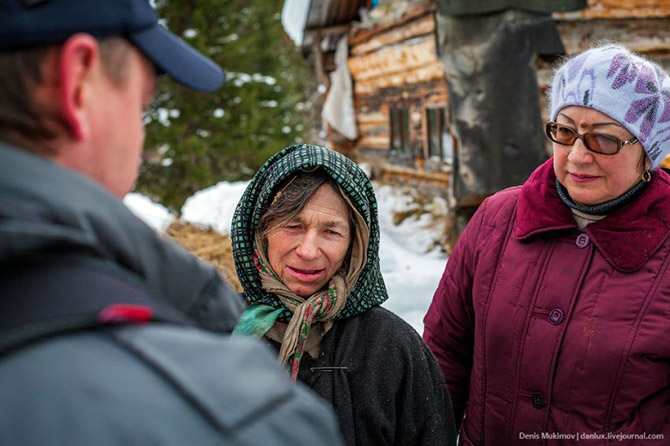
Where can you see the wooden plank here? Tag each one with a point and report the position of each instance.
(439, 96)
(419, 10)
(396, 58)
(374, 142)
(432, 71)
(420, 27)
(424, 132)
(372, 118)
(637, 4)
(643, 36)
(619, 9)
(374, 130)
(321, 75)
(326, 30)
(437, 178)
(381, 128)
(376, 126)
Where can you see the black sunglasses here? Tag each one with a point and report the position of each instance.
(595, 142)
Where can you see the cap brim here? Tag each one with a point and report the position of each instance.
(179, 60)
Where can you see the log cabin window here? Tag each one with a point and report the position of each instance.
(439, 146)
(400, 129)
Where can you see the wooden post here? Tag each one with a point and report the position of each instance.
(321, 75)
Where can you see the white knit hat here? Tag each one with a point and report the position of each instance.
(623, 85)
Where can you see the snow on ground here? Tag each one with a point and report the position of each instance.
(411, 274)
(153, 214)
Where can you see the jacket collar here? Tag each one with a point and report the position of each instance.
(627, 238)
(46, 208)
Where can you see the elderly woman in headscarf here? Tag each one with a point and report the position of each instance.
(552, 319)
(306, 248)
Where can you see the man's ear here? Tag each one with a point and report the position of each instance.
(77, 62)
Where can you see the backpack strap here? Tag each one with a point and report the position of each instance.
(51, 296)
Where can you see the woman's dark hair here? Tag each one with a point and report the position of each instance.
(291, 196)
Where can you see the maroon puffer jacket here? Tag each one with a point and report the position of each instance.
(545, 332)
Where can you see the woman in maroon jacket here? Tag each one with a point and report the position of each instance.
(552, 319)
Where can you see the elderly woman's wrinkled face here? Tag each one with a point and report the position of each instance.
(593, 178)
(307, 251)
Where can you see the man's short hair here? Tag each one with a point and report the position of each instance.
(20, 115)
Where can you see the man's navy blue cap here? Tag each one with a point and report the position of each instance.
(25, 23)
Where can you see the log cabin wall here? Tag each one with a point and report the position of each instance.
(395, 70)
(395, 66)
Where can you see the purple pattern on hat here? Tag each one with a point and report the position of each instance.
(580, 95)
(628, 71)
(587, 85)
(647, 107)
(646, 82)
(656, 150)
(576, 65)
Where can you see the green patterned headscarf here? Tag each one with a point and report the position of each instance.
(369, 289)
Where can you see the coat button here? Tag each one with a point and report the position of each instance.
(538, 400)
(556, 316)
(582, 240)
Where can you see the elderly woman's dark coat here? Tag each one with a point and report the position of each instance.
(383, 382)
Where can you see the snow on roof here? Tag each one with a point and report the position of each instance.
(293, 18)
